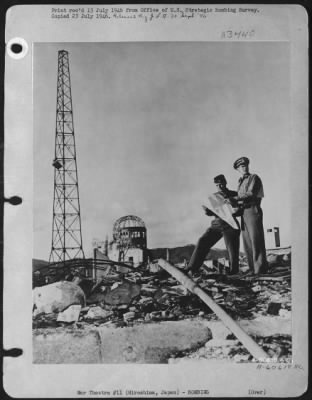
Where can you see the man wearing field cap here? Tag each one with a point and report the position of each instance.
(249, 196)
(218, 229)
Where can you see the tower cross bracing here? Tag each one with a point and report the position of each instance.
(66, 227)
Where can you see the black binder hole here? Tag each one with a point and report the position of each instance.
(16, 48)
(14, 200)
(12, 352)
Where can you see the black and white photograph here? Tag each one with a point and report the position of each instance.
(152, 131)
(163, 208)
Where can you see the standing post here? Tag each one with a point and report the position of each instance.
(277, 236)
(94, 265)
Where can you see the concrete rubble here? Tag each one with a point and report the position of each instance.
(71, 314)
(57, 297)
(139, 301)
(97, 313)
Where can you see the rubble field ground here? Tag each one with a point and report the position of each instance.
(261, 305)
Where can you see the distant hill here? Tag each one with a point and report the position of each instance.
(38, 264)
(178, 254)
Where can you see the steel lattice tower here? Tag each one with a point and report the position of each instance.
(66, 227)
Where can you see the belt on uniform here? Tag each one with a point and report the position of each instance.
(249, 205)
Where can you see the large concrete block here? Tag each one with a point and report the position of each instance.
(262, 326)
(147, 343)
(267, 326)
(151, 343)
(62, 346)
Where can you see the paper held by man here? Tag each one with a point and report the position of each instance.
(222, 209)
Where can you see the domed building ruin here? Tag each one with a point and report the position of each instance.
(129, 240)
(129, 244)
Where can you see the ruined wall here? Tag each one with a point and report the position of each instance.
(134, 255)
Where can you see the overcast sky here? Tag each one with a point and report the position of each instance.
(154, 123)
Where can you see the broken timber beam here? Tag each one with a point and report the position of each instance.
(255, 350)
(273, 278)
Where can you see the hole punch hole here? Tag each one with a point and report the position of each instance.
(14, 200)
(17, 48)
(12, 352)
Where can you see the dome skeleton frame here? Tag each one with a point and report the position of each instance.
(125, 223)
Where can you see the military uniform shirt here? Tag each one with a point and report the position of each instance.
(250, 188)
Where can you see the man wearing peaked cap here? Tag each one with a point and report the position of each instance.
(241, 161)
(249, 196)
(215, 232)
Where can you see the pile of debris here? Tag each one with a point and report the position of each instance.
(122, 300)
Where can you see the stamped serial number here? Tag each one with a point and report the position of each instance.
(235, 34)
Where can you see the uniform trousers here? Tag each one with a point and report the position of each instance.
(209, 239)
(253, 239)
